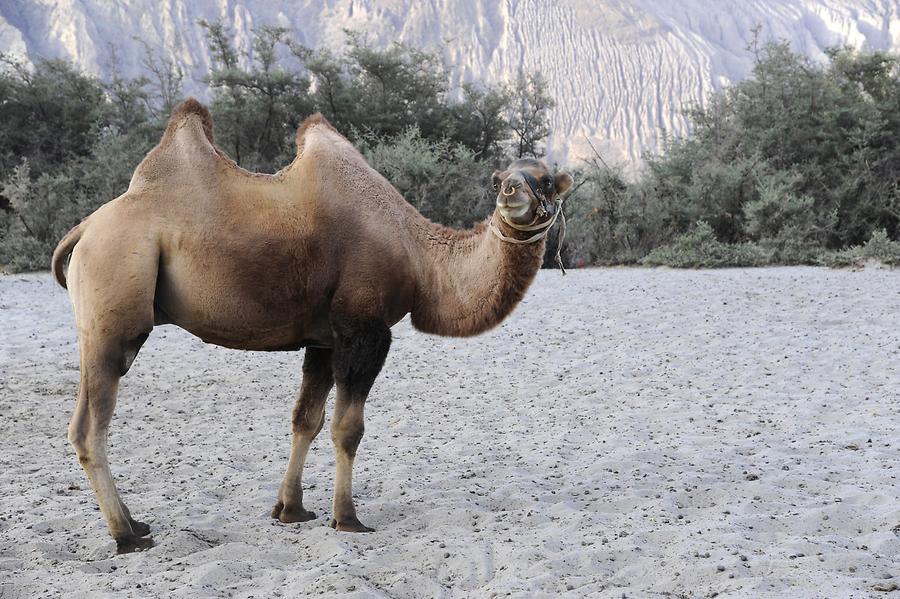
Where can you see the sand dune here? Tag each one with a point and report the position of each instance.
(626, 432)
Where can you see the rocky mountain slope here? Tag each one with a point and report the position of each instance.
(622, 71)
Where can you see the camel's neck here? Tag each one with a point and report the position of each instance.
(469, 281)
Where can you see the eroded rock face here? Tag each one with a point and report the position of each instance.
(620, 70)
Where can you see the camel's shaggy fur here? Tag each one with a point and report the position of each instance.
(324, 254)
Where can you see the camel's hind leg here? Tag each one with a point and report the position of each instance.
(309, 414)
(113, 302)
(88, 432)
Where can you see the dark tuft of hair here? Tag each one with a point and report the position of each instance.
(308, 123)
(192, 107)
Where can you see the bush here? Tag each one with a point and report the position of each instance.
(590, 212)
(797, 158)
(611, 221)
(380, 92)
(879, 248)
(442, 179)
(49, 114)
(43, 210)
(701, 249)
(788, 225)
(70, 144)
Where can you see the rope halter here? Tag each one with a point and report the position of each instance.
(543, 228)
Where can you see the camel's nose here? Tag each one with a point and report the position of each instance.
(509, 188)
(511, 185)
(512, 201)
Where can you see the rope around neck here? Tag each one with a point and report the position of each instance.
(543, 227)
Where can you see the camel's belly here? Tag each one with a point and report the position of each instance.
(230, 304)
(270, 334)
(254, 338)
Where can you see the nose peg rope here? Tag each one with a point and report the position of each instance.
(560, 239)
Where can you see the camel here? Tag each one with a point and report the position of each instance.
(324, 255)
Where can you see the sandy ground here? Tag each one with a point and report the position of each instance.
(632, 433)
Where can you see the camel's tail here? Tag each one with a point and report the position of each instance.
(62, 251)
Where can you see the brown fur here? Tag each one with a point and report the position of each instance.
(506, 273)
(189, 107)
(324, 253)
(307, 124)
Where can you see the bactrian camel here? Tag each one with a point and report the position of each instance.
(324, 255)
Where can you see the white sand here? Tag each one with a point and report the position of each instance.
(626, 432)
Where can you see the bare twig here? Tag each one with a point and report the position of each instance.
(596, 153)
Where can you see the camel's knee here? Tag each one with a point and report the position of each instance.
(78, 440)
(348, 440)
(347, 432)
(308, 424)
(86, 431)
(309, 412)
(79, 425)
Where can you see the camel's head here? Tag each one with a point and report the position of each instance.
(527, 191)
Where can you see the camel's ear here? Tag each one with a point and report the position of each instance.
(562, 183)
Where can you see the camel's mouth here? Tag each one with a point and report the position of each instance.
(513, 207)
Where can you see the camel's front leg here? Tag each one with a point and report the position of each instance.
(359, 354)
(309, 414)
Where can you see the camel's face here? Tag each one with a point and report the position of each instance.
(526, 187)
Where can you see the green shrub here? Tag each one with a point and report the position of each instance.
(701, 249)
(43, 210)
(787, 225)
(442, 179)
(798, 157)
(790, 248)
(610, 220)
(879, 248)
(49, 114)
(847, 258)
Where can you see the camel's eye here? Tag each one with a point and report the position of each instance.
(497, 180)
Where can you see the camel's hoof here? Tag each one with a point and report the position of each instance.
(289, 514)
(276, 510)
(133, 543)
(141, 529)
(353, 525)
